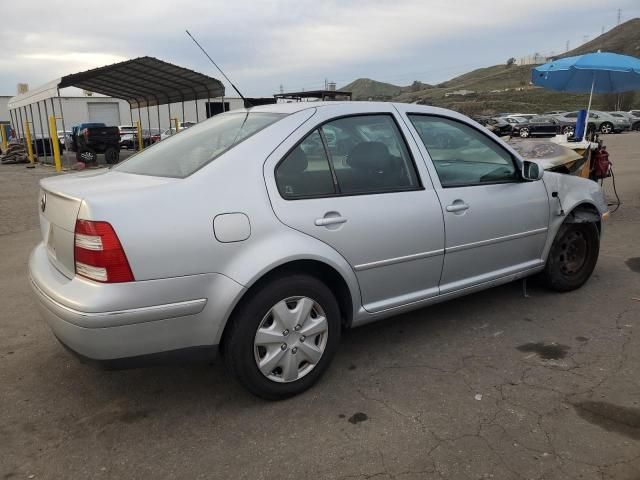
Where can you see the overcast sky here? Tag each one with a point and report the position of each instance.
(296, 43)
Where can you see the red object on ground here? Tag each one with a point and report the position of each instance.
(601, 164)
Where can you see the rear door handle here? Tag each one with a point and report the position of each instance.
(323, 222)
(457, 207)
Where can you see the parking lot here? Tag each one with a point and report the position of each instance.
(493, 385)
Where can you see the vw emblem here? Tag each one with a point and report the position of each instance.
(43, 201)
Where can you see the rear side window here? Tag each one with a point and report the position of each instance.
(359, 154)
(182, 154)
(305, 172)
(462, 155)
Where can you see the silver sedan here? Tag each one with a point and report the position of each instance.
(264, 233)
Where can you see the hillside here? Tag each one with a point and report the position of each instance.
(624, 38)
(504, 88)
(367, 89)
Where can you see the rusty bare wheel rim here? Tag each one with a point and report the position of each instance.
(572, 253)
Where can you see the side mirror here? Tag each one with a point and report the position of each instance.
(531, 171)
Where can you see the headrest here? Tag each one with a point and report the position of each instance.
(371, 156)
(295, 163)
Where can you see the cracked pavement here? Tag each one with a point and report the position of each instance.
(492, 385)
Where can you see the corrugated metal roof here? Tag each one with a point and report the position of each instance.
(146, 81)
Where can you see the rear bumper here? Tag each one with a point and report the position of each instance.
(132, 321)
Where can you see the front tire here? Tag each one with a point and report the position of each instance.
(524, 132)
(606, 128)
(283, 337)
(573, 257)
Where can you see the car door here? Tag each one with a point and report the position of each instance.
(348, 178)
(546, 126)
(495, 223)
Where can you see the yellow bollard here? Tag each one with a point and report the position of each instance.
(139, 128)
(55, 143)
(27, 132)
(3, 133)
(177, 124)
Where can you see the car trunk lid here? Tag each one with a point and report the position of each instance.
(61, 198)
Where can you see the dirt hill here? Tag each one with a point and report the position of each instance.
(507, 88)
(624, 38)
(367, 89)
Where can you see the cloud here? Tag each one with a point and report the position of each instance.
(261, 44)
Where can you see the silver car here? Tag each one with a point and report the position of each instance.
(602, 122)
(268, 231)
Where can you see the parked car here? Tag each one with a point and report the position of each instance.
(497, 125)
(628, 118)
(514, 120)
(240, 234)
(128, 136)
(167, 133)
(90, 139)
(70, 137)
(598, 121)
(554, 112)
(150, 136)
(526, 116)
(542, 126)
(62, 135)
(634, 116)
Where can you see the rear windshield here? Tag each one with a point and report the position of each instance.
(191, 149)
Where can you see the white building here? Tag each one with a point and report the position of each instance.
(77, 107)
(535, 59)
(4, 111)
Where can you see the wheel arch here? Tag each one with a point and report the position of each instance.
(585, 212)
(324, 272)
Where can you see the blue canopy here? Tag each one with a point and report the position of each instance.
(605, 72)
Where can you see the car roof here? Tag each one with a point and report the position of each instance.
(294, 107)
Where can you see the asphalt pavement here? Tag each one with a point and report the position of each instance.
(493, 385)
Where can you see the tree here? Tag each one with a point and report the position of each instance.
(618, 101)
(416, 86)
(511, 61)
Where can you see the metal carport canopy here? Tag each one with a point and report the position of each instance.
(146, 81)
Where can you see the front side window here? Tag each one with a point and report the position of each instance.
(182, 154)
(462, 155)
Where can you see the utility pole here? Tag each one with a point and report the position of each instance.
(568, 44)
(602, 33)
(619, 15)
(281, 88)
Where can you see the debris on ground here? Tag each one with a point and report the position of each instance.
(16, 153)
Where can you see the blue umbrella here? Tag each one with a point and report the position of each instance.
(601, 72)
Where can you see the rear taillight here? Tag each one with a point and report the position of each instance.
(98, 253)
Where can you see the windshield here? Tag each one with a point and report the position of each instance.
(183, 153)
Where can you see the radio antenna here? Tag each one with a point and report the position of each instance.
(246, 102)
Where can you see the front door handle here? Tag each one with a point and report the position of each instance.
(323, 222)
(457, 207)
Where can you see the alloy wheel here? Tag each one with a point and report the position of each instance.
(606, 128)
(524, 132)
(87, 157)
(291, 339)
